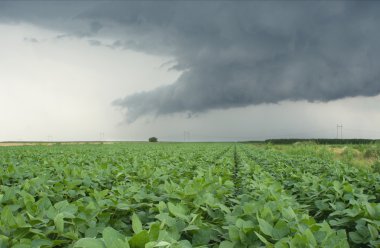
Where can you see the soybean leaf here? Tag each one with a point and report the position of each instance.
(136, 223)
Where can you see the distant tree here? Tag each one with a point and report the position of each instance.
(153, 139)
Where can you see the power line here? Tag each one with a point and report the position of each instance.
(287, 134)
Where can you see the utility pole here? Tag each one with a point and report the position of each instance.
(339, 127)
(186, 136)
(337, 131)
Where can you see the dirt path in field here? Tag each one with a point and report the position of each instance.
(50, 143)
(22, 144)
(341, 150)
(337, 151)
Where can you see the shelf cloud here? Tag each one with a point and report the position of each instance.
(233, 54)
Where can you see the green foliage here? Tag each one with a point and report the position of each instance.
(372, 152)
(183, 195)
(321, 141)
(376, 167)
(346, 197)
(153, 139)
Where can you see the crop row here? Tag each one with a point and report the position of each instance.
(346, 197)
(180, 195)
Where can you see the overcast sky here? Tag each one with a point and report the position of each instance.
(112, 70)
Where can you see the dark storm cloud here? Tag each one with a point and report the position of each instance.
(236, 54)
(239, 54)
(63, 16)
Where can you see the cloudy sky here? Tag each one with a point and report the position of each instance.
(113, 70)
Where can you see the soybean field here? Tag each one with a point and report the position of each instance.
(184, 195)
